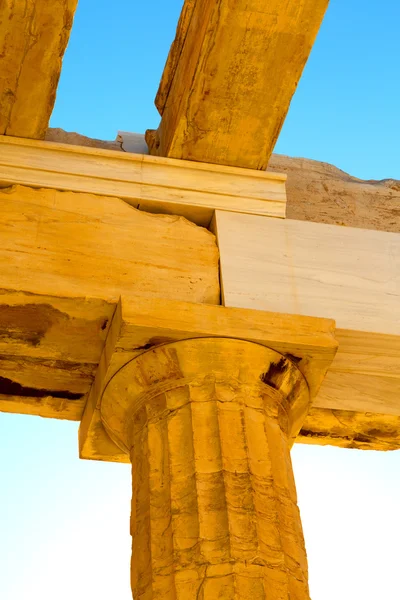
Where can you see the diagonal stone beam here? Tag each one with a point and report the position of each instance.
(33, 38)
(230, 76)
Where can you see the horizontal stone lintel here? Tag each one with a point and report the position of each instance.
(81, 325)
(153, 184)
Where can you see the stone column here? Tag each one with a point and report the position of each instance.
(207, 423)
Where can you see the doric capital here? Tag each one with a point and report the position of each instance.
(162, 380)
(155, 346)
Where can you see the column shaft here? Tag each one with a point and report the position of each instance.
(214, 510)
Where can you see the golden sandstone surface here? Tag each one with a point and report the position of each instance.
(105, 220)
(206, 423)
(33, 38)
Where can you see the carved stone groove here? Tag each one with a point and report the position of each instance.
(207, 423)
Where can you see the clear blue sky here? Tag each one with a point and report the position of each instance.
(64, 531)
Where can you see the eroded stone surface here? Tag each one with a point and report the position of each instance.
(55, 134)
(214, 507)
(33, 38)
(320, 192)
(60, 251)
(364, 431)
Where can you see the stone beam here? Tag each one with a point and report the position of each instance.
(34, 35)
(65, 260)
(153, 184)
(230, 76)
(350, 429)
(351, 275)
(68, 244)
(50, 351)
